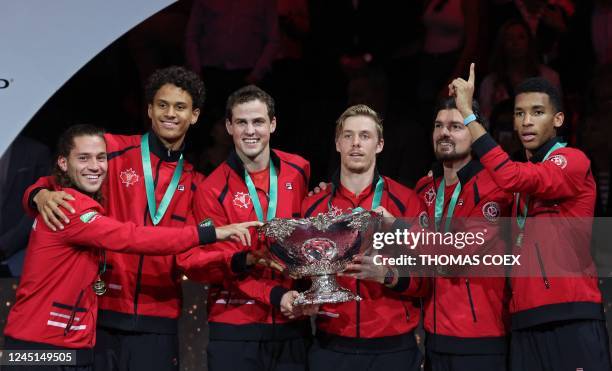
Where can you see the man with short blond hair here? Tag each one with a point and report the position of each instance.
(360, 110)
(376, 333)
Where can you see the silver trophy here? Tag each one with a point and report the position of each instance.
(320, 247)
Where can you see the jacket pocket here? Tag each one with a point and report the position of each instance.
(67, 316)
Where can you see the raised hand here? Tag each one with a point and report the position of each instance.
(463, 91)
(238, 232)
(48, 204)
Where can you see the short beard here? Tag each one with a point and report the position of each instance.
(453, 156)
(63, 180)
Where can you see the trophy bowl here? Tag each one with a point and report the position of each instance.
(319, 247)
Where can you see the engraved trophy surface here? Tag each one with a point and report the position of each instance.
(320, 247)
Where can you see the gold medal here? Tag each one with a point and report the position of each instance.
(99, 287)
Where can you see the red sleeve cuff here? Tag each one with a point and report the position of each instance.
(483, 145)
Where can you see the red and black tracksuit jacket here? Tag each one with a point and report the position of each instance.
(561, 200)
(243, 303)
(469, 315)
(385, 319)
(144, 292)
(55, 302)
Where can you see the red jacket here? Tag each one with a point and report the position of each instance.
(144, 292)
(55, 301)
(468, 315)
(557, 280)
(383, 312)
(244, 305)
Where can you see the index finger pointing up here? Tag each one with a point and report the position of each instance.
(472, 77)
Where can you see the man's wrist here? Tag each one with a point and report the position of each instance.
(276, 295)
(468, 117)
(33, 202)
(390, 278)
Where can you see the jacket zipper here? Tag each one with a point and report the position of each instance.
(73, 313)
(141, 260)
(544, 277)
(435, 300)
(358, 309)
(404, 304)
(273, 316)
(469, 292)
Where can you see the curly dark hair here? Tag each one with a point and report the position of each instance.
(180, 77)
(65, 144)
(246, 94)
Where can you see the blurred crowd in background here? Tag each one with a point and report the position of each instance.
(317, 57)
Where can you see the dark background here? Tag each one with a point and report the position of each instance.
(108, 91)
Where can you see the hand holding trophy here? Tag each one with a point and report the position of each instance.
(320, 247)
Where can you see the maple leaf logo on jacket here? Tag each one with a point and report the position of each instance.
(242, 200)
(335, 211)
(430, 196)
(129, 177)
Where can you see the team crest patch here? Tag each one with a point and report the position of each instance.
(89, 217)
(491, 211)
(289, 185)
(559, 160)
(129, 177)
(242, 200)
(430, 196)
(424, 220)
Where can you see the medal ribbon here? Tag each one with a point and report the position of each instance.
(522, 217)
(157, 213)
(255, 198)
(376, 200)
(439, 210)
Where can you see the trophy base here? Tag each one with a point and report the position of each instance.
(325, 290)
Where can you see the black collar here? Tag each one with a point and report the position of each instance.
(164, 154)
(539, 154)
(236, 164)
(464, 174)
(335, 180)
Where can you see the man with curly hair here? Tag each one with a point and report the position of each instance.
(56, 303)
(149, 183)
